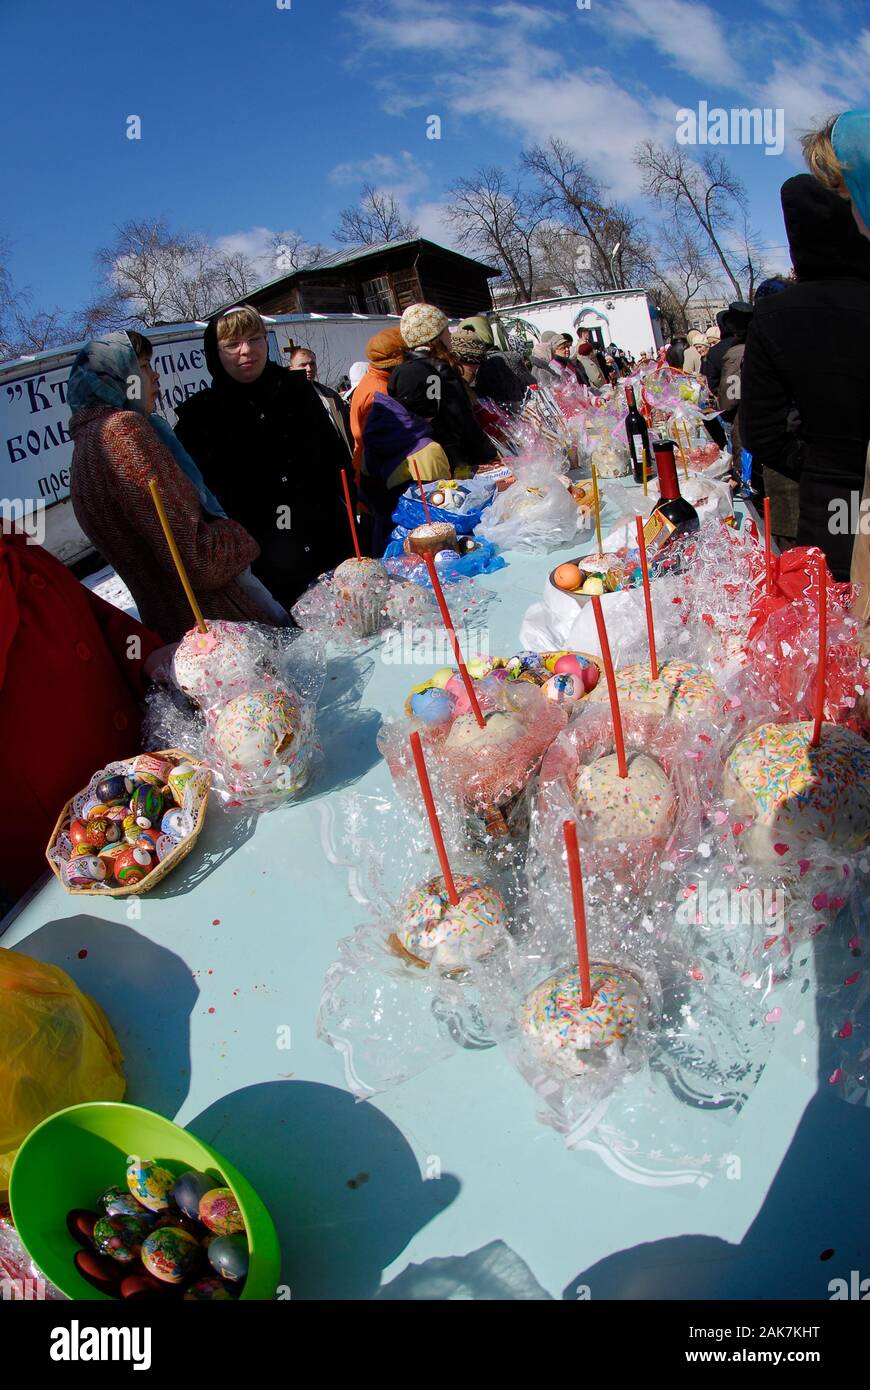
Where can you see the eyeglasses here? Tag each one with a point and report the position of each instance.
(233, 349)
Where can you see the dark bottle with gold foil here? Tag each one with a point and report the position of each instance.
(672, 515)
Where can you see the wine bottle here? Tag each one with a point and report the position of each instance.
(638, 438)
(672, 515)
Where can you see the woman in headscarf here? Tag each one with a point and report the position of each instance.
(384, 352)
(428, 384)
(267, 447)
(545, 370)
(118, 448)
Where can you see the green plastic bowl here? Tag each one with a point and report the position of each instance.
(74, 1155)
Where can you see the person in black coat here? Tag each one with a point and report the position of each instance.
(711, 367)
(429, 385)
(809, 350)
(268, 451)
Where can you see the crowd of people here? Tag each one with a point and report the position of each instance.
(251, 476)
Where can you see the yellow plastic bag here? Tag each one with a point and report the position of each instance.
(57, 1049)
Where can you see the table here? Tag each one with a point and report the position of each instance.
(446, 1185)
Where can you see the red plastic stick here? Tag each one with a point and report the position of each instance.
(454, 640)
(768, 551)
(350, 516)
(647, 598)
(434, 823)
(823, 654)
(422, 493)
(609, 673)
(579, 906)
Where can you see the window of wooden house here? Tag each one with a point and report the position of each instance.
(378, 296)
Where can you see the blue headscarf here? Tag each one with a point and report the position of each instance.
(106, 372)
(851, 141)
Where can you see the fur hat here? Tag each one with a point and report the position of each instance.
(386, 349)
(467, 346)
(421, 324)
(695, 338)
(713, 335)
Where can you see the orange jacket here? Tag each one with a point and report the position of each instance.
(375, 379)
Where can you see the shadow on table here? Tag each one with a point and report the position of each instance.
(813, 1224)
(342, 1184)
(346, 730)
(222, 835)
(133, 980)
(494, 1273)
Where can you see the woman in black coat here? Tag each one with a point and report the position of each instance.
(268, 451)
(809, 349)
(429, 385)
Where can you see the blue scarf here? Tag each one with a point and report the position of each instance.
(851, 141)
(106, 372)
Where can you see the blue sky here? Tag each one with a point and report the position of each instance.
(257, 118)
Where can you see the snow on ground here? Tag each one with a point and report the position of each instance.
(107, 585)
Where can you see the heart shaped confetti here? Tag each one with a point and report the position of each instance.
(820, 901)
(782, 849)
(846, 1030)
(774, 1016)
(855, 943)
(836, 1075)
(720, 817)
(850, 979)
(819, 926)
(803, 865)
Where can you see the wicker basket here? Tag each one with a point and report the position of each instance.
(157, 874)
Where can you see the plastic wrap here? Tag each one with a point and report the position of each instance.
(387, 1015)
(256, 689)
(20, 1279)
(627, 828)
(451, 566)
(463, 505)
(538, 513)
(487, 771)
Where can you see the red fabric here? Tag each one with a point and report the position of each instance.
(69, 698)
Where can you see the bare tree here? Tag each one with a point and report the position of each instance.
(676, 270)
(495, 217)
(291, 251)
(24, 330)
(705, 196)
(376, 217)
(154, 275)
(568, 190)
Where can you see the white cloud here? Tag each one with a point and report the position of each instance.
(399, 173)
(687, 33)
(432, 220)
(255, 243)
(827, 80)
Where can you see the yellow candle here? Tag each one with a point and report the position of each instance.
(644, 473)
(596, 505)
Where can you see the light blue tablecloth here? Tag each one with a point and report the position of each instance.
(231, 952)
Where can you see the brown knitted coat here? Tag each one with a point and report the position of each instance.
(116, 454)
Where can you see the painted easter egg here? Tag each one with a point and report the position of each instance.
(170, 1254)
(148, 840)
(175, 823)
(119, 1237)
(149, 1183)
(433, 706)
(189, 1191)
(114, 791)
(132, 865)
(95, 810)
(79, 833)
(593, 585)
(102, 832)
(150, 764)
(84, 869)
(228, 1255)
(179, 778)
(146, 805)
(110, 852)
(220, 1212)
(119, 1201)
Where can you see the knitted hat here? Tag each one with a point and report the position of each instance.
(713, 335)
(695, 338)
(386, 349)
(421, 324)
(467, 346)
